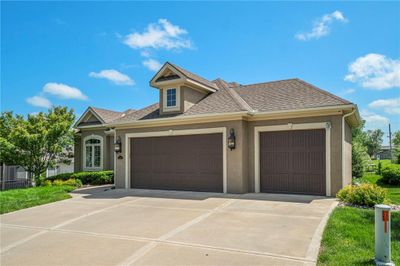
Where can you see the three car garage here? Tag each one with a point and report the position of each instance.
(289, 161)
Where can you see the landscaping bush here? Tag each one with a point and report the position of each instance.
(391, 174)
(363, 195)
(70, 182)
(92, 178)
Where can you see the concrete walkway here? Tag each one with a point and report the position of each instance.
(148, 227)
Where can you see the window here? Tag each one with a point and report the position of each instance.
(171, 97)
(93, 151)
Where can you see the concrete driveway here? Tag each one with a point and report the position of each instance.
(147, 227)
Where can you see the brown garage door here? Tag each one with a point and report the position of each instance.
(192, 162)
(293, 162)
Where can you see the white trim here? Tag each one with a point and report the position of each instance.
(291, 126)
(176, 133)
(177, 105)
(93, 136)
(85, 113)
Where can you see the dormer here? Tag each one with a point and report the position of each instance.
(179, 89)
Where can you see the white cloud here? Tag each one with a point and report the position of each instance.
(348, 91)
(374, 120)
(322, 26)
(145, 53)
(375, 71)
(152, 64)
(160, 35)
(63, 91)
(389, 106)
(113, 76)
(39, 101)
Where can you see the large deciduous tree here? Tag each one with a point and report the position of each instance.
(374, 141)
(36, 143)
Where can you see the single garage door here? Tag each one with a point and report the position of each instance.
(293, 162)
(190, 162)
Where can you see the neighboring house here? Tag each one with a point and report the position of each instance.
(288, 136)
(385, 153)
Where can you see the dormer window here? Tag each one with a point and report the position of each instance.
(171, 97)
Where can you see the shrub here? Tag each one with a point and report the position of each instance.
(391, 174)
(46, 183)
(379, 170)
(64, 176)
(363, 195)
(92, 178)
(70, 182)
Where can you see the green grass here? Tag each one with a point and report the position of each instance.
(349, 238)
(393, 191)
(16, 199)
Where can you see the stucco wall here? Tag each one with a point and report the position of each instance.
(235, 161)
(191, 96)
(336, 166)
(240, 161)
(347, 155)
(109, 154)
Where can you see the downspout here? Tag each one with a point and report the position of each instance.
(115, 156)
(343, 140)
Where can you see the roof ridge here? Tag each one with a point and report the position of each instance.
(103, 109)
(323, 91)
(239, 100)
(268, 82)
(200, 78)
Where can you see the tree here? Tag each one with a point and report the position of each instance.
(374, 141)
(360, 157)
(396, 142)
(36, 143)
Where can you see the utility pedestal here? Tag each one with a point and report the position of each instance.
(382, 235)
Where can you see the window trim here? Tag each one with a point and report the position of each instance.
(177, 105)
(92, 168)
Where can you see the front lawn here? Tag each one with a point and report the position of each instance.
(393, 191)
(349, 238)
(16, 199)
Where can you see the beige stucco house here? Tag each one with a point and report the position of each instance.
(284, 136)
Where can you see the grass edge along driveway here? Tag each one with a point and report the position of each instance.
(17, 199)
(349, 237)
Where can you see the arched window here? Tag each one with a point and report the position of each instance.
(93, 152)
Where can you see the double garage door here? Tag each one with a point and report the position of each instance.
(190, 162)
(290, 162)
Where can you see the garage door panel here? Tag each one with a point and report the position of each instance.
(192, 162)
(295, 166)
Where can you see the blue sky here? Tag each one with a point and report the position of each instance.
(103, 54)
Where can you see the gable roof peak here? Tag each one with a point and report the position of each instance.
(189, 75)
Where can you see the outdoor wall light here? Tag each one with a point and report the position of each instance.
(117, 145)
(231, 139)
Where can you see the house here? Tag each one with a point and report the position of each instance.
(385, 153)
(284, 136)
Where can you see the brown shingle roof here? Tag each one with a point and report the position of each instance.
(288, 94)
(194, 77)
